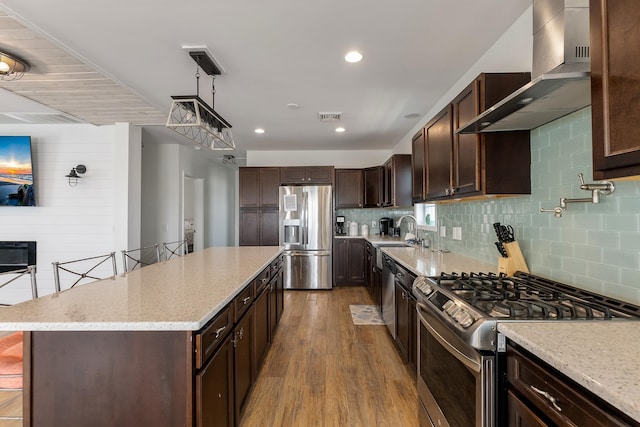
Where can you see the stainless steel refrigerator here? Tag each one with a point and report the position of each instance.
(306, 234)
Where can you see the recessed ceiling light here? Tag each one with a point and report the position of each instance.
(340, 129)
(293, 106)
(412, 116)
(353, 56)
(259, 130)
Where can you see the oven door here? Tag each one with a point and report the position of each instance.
(456, 383)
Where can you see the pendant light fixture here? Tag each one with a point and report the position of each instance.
(194, 119)
(12, 67)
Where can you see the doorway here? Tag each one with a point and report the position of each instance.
(192, 218)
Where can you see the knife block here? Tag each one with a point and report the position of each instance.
(515, 260)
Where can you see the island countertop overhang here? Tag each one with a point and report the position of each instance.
(182, 294)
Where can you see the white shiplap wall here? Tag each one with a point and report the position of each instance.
(68, 222)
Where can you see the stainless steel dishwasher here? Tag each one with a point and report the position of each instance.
(389, 294)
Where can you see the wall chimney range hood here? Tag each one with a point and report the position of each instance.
(560, 82)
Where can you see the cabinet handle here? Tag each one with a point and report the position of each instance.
(240, 333)
(219, 331)
(245, 300)
(547, 396)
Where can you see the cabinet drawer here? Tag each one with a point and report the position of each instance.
(557, 396)
(209, 338)
(243, 301)
(262, 279)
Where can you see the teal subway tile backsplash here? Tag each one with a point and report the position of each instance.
(593, 246)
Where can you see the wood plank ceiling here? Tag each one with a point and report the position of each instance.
(62, 81)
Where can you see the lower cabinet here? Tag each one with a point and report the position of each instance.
(232, 348)
(349, 261)
(214, 388)
(540, 395)
(406, 317)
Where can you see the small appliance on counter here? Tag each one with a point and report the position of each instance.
(340, 227)
(386, 226)
(365, 230)
(353, 228)
(396, 231)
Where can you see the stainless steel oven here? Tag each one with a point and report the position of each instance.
(460, 363)
(456, 383)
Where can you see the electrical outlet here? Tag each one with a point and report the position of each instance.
(457, 233)
(373, 224)
(443, 231)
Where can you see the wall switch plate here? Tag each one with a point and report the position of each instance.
(373, 224)
(457, 233)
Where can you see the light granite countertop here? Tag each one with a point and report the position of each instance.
(425, 262)
(180, 294)
(601, 356)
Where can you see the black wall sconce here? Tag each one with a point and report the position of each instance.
(74, 174)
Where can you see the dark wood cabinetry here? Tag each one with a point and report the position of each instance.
(373, 187)
(306, 175)
(243, 360)
(615, 87)
(258, 215)
(214, 388)
(397, 181)
(348, 261)
(259, 187)
(539, 395)
(489, 163)
(457, 165)
(418, 175)
(405, 305)
(349, 189)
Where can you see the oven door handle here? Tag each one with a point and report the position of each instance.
(463, 358)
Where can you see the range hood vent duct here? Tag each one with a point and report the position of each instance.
(560, 82)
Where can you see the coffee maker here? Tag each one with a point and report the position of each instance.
(386, 226)
(340, 226)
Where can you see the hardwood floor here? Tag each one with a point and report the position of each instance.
(322, 370)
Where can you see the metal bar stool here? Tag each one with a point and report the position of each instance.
(137, 258)
(13, 275)
(178, 248)
(84, 268)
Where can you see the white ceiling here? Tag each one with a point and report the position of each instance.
(130, 58)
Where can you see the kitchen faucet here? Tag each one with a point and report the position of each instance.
(407, 216)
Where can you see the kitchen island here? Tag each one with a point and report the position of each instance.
(121, 351)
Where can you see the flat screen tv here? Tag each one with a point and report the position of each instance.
(16, 172)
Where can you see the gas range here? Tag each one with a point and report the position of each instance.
(472, 304)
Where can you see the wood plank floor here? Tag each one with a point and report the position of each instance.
(322, 370)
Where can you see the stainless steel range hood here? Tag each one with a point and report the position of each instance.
(560, 77)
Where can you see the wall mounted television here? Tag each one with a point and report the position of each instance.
(16, 172)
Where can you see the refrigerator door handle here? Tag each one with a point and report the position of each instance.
(305, 218)
(308, 253)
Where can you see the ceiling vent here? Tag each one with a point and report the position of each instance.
(330, 117)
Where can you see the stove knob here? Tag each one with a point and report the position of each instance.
(453, 311)
(466, 320)
(448, 305)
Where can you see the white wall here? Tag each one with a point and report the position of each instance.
(163, 168)
(513, 52)
(70, 222)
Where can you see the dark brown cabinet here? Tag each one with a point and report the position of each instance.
(418, 176)
(397, 181)
(306, 175)
(405, 305)
(258, 196)
(258, 227)
(214, 389)
(489, 163)
(615, 87)
(261, 327)
(349, 190)
(348, 261)
(259, 187)
(243, 359)
(373, 187)
(464, 165)
(539, 395)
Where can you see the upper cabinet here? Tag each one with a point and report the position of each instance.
(349, 188)
(373, 187)
(464, 165)
(306, 175)
(397, 181)
(615, 87)
(259, 187)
